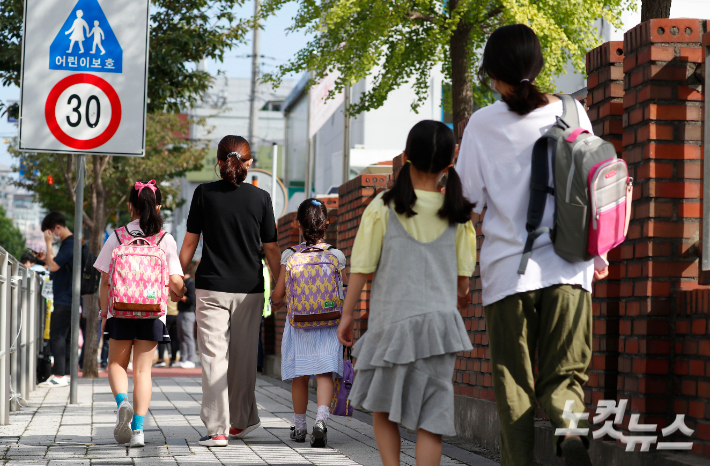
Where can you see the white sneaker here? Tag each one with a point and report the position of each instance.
(137, 438)
(176, 364)
(188, 365)
(122, 432)
(53, 381)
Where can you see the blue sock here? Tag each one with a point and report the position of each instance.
(137, 423)
(120, 397)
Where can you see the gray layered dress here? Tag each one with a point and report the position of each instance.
(405, 360)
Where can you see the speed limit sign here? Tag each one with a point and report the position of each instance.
(84, 76)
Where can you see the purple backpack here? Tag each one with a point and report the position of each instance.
(314, 287)
(340, 405)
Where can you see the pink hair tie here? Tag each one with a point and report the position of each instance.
(150, 185)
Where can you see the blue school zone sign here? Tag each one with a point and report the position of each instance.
(86, 42)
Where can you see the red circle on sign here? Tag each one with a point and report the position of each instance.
(58, 132)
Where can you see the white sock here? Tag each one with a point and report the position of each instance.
(299, 420)
(323, 413)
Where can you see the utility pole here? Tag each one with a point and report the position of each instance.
(253, 109)
(309, 142)
(346, 134)
(76, 278)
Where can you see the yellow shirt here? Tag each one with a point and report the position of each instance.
(426, 226)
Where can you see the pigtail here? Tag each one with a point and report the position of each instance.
(402, 193)
(456, 208)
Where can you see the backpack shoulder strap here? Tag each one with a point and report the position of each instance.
(161, 234)
(570, 112)
(539, 190)
(120, 230)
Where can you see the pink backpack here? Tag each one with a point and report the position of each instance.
(138, 277)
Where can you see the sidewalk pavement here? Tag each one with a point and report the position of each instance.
(51, 432)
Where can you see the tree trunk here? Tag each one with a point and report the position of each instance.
(652, 9)
(98, 214)
(461, 80)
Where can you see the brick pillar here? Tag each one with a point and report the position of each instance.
(605, 92)
(355, 196)
(331, 202)
(662, 133)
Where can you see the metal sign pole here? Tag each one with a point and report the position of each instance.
(76, 276)
(274, 173)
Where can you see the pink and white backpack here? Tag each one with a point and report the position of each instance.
(138, 277)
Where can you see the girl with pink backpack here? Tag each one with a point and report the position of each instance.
(140, 271)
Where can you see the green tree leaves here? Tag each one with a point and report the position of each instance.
(10, 237)
(401, 41)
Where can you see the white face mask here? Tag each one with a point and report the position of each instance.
(56, 238)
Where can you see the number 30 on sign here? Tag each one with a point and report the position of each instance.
(83, 111)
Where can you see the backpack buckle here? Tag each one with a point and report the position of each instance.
(561, 123)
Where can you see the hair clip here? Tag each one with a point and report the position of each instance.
(150, 185)
(524, 80)
(316, 203)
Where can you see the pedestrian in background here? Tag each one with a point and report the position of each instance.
(186, 323)
(309, 352)
(55, 230)
(234, 219)
(139, 336)
(421, 246)
(171, 322)
(547, 309)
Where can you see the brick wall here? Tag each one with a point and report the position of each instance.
(605, 93)
(355, 196)
(661, 141)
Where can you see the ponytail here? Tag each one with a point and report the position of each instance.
(525, 99)
(456, 208)
(234, 171)
(402, 193)
(234, 152)
(145, 200)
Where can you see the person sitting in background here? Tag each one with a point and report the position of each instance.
(30, 261)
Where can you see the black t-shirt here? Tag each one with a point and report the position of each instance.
(234, 222)
(61, 279)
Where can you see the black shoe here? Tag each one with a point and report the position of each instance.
(575, 452)
(319, 437)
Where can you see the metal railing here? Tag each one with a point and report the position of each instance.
(22, 313)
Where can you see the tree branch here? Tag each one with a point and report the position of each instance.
(494, 12)
(415, 15)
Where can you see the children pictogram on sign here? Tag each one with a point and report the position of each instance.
(67, 51)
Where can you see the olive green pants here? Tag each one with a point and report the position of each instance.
(557, 322)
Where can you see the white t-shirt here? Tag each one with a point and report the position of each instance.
(495, 164)
(168, 244)
(336, 252)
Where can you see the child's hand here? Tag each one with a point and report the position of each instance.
(463, 302)
(345, 330)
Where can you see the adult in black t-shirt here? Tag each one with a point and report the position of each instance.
(234, 219)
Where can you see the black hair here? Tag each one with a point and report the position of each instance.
(234, 151)
(430, 149)
(313, 218)
(28, 257)
(513, 55)
(52, 219)
(146, 204)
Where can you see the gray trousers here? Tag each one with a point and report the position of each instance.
(186, 335)
(228, 329)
